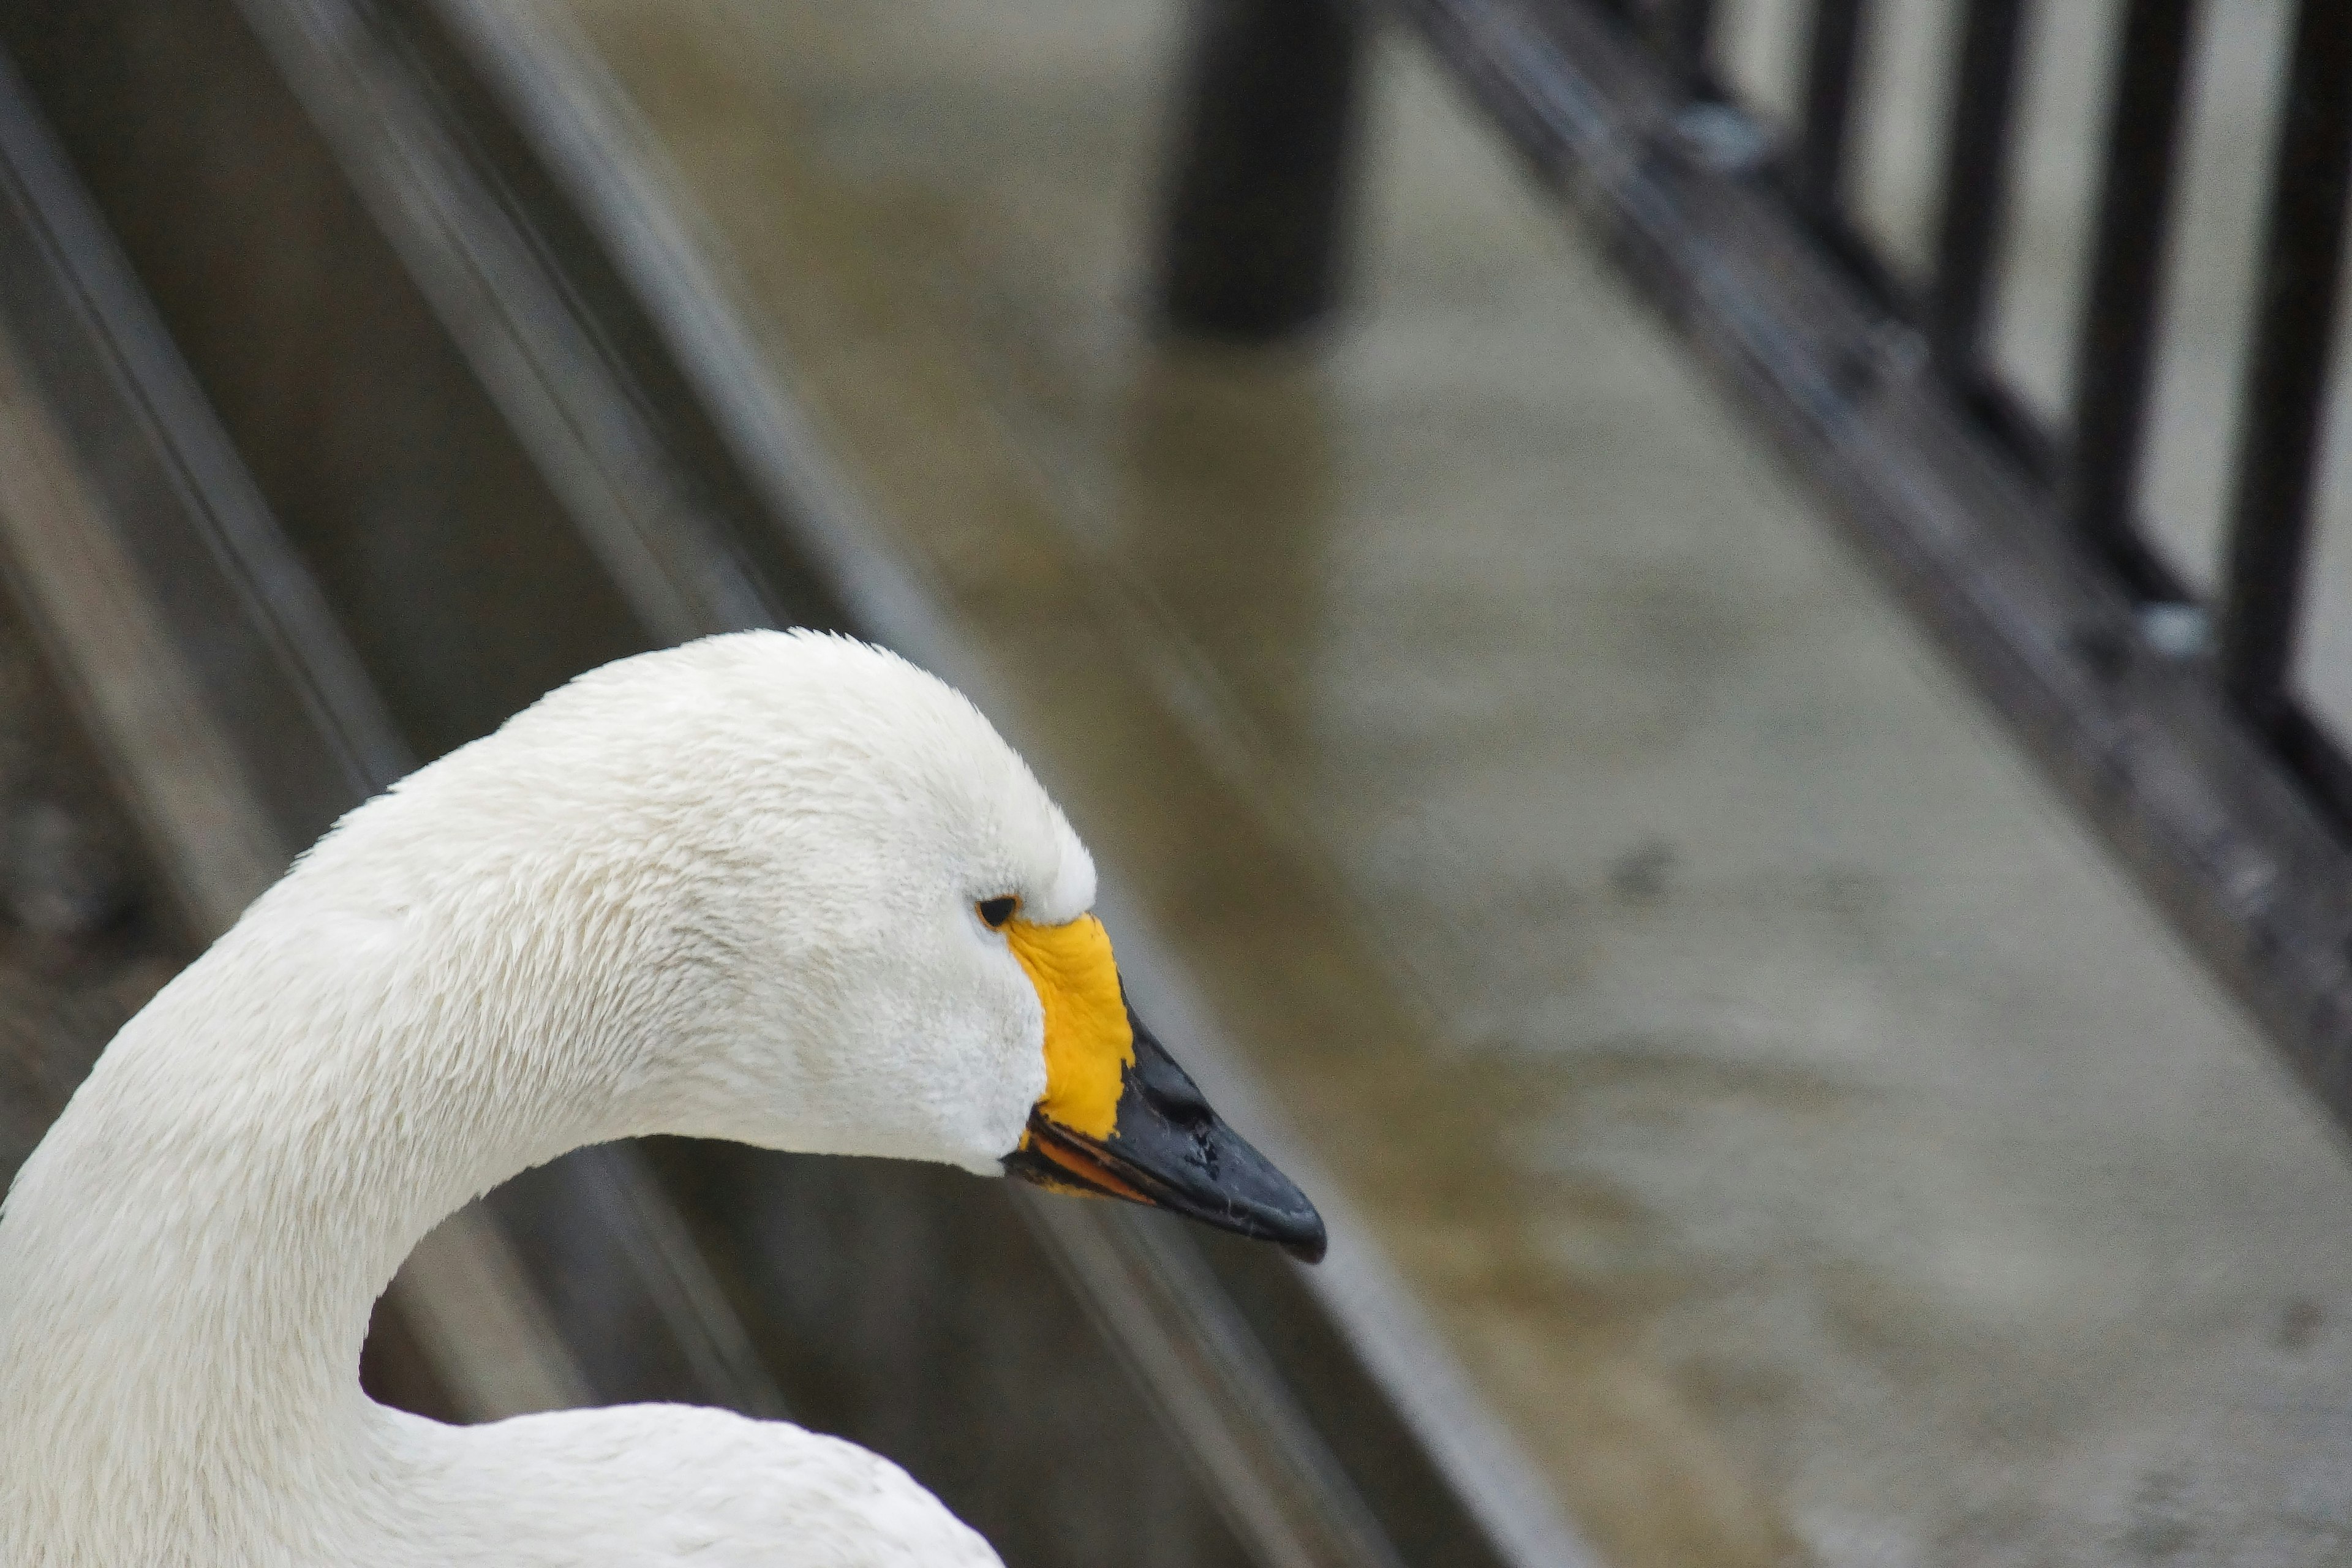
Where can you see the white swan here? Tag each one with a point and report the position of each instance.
(779, 887)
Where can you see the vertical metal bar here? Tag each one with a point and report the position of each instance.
(1260, 190)
(2286, 378)
(2117, 338)
(1976, 182)
(1685, 31)
(1831, 62)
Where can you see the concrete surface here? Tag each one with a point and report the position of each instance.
(1811, 1146)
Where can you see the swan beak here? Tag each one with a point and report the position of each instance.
(1167, 1148)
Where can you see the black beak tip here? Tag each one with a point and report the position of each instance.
(1270, 1205)
(1308, 1242)
(1260, 1201)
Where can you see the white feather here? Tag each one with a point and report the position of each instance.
(725, 891)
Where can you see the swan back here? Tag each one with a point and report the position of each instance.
(657, 1484)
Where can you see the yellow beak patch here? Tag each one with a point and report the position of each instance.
(1089, 1042)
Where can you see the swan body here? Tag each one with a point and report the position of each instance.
(747, 888)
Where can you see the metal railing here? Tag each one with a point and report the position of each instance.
(2173, 720)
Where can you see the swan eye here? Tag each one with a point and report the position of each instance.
(997, 913)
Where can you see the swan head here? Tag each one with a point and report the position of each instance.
(813, 902)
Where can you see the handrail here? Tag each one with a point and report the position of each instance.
(2019, 545)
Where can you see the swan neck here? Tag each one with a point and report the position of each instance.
(189, 1260)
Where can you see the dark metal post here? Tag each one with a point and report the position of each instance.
(1976, 184)
(2118, 332)
(1263, 165)
(1831, 60)
(2286, 379)
(1685, 32)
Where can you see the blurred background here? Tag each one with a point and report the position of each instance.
(1704, 643)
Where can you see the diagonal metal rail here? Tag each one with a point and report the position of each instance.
(2239, 836)
(240, 724)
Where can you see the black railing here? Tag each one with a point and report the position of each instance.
(2287, 388)
(2175, 724)
(1833, 57)
(1258, 204)
(2116, 344)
